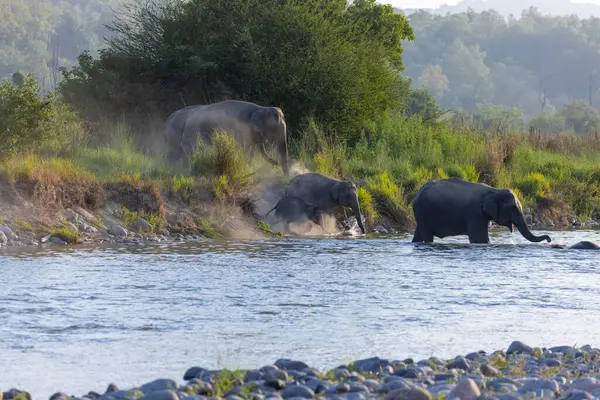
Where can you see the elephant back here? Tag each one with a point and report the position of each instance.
(313, 188)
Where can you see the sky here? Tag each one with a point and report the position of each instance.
(437, 3)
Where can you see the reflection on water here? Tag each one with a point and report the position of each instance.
(75, 319)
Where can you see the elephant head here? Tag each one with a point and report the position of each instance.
(505, 209)
(269, 123)
(345, 194)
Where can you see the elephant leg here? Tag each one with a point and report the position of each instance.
(422, 236)
(478, 233)
(263, 151)
(417, 236)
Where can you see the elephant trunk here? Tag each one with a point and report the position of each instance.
(524, 230)
(284, 157)
(358, 216)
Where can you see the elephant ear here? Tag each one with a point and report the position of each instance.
(490, 207)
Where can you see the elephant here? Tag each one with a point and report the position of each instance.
(583, 245)
(326, 193)
(294, 210)
(454, 206)
(251, 125)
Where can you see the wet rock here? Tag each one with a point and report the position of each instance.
(284, 363)
(194, 372)
(141, 225)
(117, 230)
(10, 235)
(459, 363)
(409, 394)
(297, 391)
(59, 396)
(488, 370)
(160, 395)
(466, 389)
(518, 347)
(374, 364)
(112, 388)
(159, 385)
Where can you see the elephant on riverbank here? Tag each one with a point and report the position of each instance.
(251, 125)
(294, 210)
(326, 193)
(450, 207)
(583, 245)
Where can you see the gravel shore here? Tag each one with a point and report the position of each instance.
(519, 372)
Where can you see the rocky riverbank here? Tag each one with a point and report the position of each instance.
(519, 372)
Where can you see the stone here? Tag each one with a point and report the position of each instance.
(297, 391)
(316, 385)
(141, 225)
(540, 384)
(381, 230)
(466, 389)
(117, 230)
(10, 235)
(518, 347)
(358, 387)
(159, 385)
(57, 240)
(341, 373)
(272, 382)
(577, 395)
(160, 395)
(551, 362)
(444, 377)
(562, 349)
(194, 372)
(284, 363)
(440, 388)
(112, 388)
(59, 396)
(374, 364)
(409, 394)
(488, 370)
(459, 363)
(342, 388)
(395, 385)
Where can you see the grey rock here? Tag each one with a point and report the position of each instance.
(551, 362)
(409, 394)
(284, 363)
(316, 385)
(59, 396)
(117, 230)
(276, 374)
(358, 387)
(160, 395)
(342, 388)
(272, 382)
(194, 372)
(10, 235)
(562, 349)
(577, 395)
(459, 363)
(112, 388)
(395, 385)
(354, 396)
(141, 225)
(374, 364)
(234, 397)
(440, 388)
(518, 347)
(71, 226)
(122, 395)
(90, 229)
(57, 240)
(3, 239)
(444, 377)
(313, 372)
(252, 375)
(540, 384)
(71, 215)
(31, 242)
(488, 370)
(341, 373)
(297, 391)
(466, 389)
(159, 385)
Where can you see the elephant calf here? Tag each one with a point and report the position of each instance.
(326, 193)
(294, 210)
(583, 245)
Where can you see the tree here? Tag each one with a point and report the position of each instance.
(580, 116)
(421, 102)
(433, 79)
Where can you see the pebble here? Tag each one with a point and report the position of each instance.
(466, 389)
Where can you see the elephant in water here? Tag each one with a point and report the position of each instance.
(250, 124)
(450, 207)
(326, 193)
(583, 245)
(294, 210)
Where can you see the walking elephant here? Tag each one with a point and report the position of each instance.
(251, 125)
(294, 210)
(450, 207)
(326, 193)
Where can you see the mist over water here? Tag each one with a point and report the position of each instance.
(77, 319)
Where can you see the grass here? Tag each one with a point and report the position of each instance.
(65, 234)
(226, 380)
(130, 217)
(388, 166)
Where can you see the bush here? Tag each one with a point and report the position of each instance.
(31, 123)
(389, 198)
(365, 200)
(534, 185)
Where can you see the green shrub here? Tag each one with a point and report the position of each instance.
(66, 234)
(389, 198)
(365, 200)
(534, 185)
(183, 185)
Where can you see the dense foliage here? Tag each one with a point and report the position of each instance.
(325, 59)
(536, 62)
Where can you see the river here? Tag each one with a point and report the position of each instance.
(76, 319)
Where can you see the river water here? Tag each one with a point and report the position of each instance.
(76, 319)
